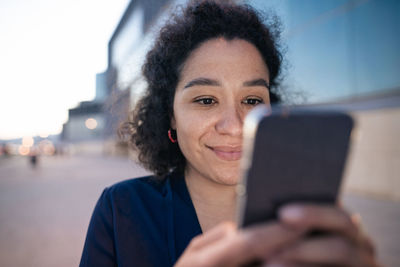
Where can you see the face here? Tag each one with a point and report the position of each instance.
(221, 81)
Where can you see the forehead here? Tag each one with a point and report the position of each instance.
(219, 56)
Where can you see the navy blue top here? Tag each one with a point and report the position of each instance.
(141, 222)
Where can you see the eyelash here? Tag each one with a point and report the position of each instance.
(207, 101)
(203, 100)
(258, 100)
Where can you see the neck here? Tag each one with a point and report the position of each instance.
(213, 202)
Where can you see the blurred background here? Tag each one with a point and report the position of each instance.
(70, 72)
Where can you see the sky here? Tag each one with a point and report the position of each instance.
(50, 52)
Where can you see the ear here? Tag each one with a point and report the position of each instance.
(173, 123)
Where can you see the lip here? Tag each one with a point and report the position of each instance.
(228, 153)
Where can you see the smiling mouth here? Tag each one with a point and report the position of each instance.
(227, 153)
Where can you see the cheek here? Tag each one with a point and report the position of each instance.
(189, 135)
(191, 126)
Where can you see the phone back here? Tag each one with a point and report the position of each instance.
(293, 155)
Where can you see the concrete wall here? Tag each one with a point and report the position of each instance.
(374, 161)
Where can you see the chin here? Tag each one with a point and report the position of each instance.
(228, 179)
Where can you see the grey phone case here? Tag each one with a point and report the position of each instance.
(291, 154)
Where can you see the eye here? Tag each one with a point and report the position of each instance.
(206, 101)
(252, 101)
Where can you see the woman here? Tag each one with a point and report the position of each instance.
(208, 68)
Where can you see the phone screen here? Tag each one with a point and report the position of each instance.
(291, 154)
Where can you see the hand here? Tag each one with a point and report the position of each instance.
(343, 245)
(225, 245)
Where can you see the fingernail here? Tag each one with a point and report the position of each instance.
(292, 213)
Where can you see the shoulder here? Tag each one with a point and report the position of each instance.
(146, 184)
(131, 194)
(126, 224)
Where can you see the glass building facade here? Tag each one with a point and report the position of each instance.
(339, 49)
(334, 49)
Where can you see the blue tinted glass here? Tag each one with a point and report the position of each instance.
(340, 48)
(377, 45)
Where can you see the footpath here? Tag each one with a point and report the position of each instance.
(45, 211)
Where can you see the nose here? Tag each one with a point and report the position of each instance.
(230, 122)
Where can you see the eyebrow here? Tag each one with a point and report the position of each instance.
(211, 82)
(202, 81)
(257, 82)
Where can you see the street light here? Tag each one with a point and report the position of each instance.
(27, 141)
(91, 124)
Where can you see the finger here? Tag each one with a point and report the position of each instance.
(197, 253)
(213, 235)
(332, 250)
(257, 242)
(322, 217)
(362, 239)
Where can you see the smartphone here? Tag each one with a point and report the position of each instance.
(293, 154)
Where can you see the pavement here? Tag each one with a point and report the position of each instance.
(45, 211)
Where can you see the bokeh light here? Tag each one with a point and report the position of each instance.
(24, 150)
(28, 141)
(47, 148)
(44, 135)
(91, 123)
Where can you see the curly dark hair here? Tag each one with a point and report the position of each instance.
(185, 31)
